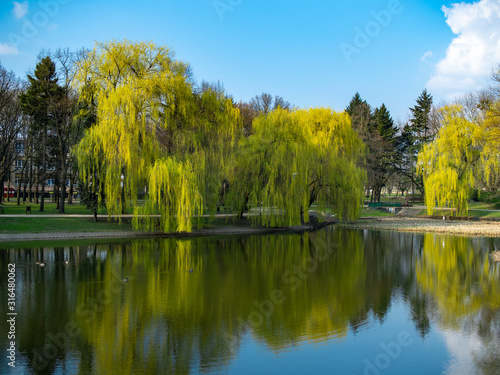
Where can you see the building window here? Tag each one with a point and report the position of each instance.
(19, 164)
(19, 147)
(50, 182)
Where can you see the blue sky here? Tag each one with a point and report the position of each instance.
(312, 53)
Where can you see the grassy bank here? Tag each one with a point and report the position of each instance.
(59, 224)
(11, 208)
(381, 221)
(64, 224)
(372, 212)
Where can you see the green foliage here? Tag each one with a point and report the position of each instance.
(295, 158)
(42, 102)
(385, 124)
(448, 164)
(490, 198)
(413, 136)
(420, 122)
(361, 116)
(153, 131)
(377, 130)
(40, 99)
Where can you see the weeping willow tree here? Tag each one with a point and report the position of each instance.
(490, 157)
(154, 133)
(296, 158)
(450, 163)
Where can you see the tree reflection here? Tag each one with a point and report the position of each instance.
(463, 284)
(281, 290)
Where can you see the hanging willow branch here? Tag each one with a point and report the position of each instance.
(153, 133)
(295, 158)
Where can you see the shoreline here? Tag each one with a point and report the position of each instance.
(471, 228)
(205, 232)
(475, 228)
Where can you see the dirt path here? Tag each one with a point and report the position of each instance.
(407, 224)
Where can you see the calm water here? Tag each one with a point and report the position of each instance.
(331, 302)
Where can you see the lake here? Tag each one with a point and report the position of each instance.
(335, 301)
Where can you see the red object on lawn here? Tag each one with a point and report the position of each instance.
(12, 192)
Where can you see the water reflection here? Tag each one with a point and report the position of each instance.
(464, 290)
(135, 307)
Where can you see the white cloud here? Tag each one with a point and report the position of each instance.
(7, 49)
(473, 53)
(20, 9)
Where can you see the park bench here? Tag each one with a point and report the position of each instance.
(28, 209)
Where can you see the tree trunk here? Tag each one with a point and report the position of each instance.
(42, 196)
(1, 186)
(31, 180)
(55, 197)
(70, 194)
(36, 189)
(62, 197)
(21, 179)
(44, 170)
(242, 207)
(8, 190)
(95, 206)
(19, 193)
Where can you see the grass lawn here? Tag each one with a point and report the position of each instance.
(11, 208)
(369, 212)
(83, 224)
(59, 224)
(485, 214)
(365, 212)
(480, 206)
(473, 212)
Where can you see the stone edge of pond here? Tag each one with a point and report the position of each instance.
(226, 231)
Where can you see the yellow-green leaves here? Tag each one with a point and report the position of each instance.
(173, 194)
(157, 134)
(296, 158)
(448, 164)
(154, 133)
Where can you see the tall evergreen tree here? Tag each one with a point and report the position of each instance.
(384, 155)
(361, 116)
(415, 134)
(420, 122)
(377, 130)
(385, 124)
(40, 102)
